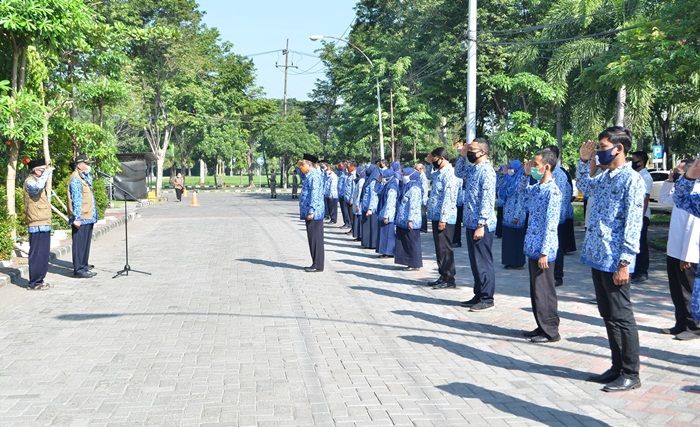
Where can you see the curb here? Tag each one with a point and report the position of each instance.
(9, 275)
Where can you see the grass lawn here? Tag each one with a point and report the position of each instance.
(657, 218)
(230, 181)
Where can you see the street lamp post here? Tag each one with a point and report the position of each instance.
(379, 99)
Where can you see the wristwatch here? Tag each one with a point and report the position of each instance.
(624, 263)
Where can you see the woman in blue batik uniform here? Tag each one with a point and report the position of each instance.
(408, 221)
(356, 202)
(514, 216)
(370, 200)
(387, 213)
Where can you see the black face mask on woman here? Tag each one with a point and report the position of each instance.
(436, 164)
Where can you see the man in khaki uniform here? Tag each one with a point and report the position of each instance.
(82, 214)
(37, 209)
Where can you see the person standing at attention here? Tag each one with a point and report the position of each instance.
(475, 169)
(311, 211)
(37, 209)
(641, 271)
(616, 205)
(541, 244)
(442, 211)
(82, 213)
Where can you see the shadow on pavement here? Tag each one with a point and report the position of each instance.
(406, 297)
(268, 263)
(591, 320)
(498, 360)
(384, 279)
(518, 407)
(462, 324)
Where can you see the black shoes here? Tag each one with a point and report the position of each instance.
(672, 331)
(533, 333)
(87, 274)
(482, 306)
(688, 335)
(445, 285)
(312, 270)
(436, 282)
(640, 278)
(623, 383)
(457, 244)
(558, 283)
(472, 302)
(606, 377)
(542, 339)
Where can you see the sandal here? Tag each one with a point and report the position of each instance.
(39, 287)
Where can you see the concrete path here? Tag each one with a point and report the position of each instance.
(229, 330)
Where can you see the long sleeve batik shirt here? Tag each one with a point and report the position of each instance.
(409, 209)
(388, 210)
(479, 194)
(616, 206)
(342, 177)
(543, 206)
(515, 204)
(370, 197)
(442, 203)
(425, 188)
(349, 187)
(566, 190)
(75, 186)
(685, 198)
(311, 199)
(330, 187)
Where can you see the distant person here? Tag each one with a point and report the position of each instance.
(514, 202)
(425, 192)
(295, 184)
(561, 179)
(386, 210)
(341, 171)
(311, 211)
(82, 212)
(688, 199)
(348, 188)
(330, 192)
(541, 244)
(477, 172)
(369, 203)
(273, 184)
(408, 250)
(639, 164)
(616, 198)
(682, 257)
(179, 185)
(357, 202)
(37, 209)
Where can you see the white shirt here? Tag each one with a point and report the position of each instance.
(648, 183)
(684, 229)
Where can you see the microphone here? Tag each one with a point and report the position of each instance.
(104, 175)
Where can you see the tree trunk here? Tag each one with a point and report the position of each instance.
(620, 108)
(202, 172)
(12, 156)
(391, 119)
(160, 160)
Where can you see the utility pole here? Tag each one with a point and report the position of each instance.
(471, 74)
(391, 116)
(286, 67)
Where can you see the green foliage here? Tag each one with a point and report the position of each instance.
(99, 188)
(520, 139)
(6, 244)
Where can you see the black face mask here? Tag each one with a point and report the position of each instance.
(637, 165)
(676, 176)
(436, 164)
(472, 157)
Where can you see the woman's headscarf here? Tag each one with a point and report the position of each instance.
(396, 168)
(510, 182)
(414, 180)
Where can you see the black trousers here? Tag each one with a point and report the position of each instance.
(481, 263)
(680, 283)
(351, 215)
(314, 234)
(559, 263)
(499, 222)
(273, 192)
(39, 247)
(443, 251)
(543, 296)
(332, 209)
(457, 239)
(344, 212)
(424, 219)
(615, 307)
(178, 194)
(641, 266)
(82, 239)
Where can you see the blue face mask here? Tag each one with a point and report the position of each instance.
(605, 157)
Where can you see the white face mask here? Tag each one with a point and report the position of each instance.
(406, 179)
(511, 172)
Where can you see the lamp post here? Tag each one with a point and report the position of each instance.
(379, 99)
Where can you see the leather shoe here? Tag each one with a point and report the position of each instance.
(623, 383)
(672, 331)
(84, 274)
(312, 270)
(436, 282)
(606, 377)
(541, 339)
(90, 267)
(445, 285)
(532, 333)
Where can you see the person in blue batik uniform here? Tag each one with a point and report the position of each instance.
(513, 196)
(357, 202)
(442, 211)
(686, 199)
(541, 244)
(566, 188)
(425, 192)
(82, 213)
(479, 220)
(351, 175)
(37, 210)
(330, 193)
(408, 221)
(341, 170)
(387, 213)
(311, 210)
(370, 200)
(616, 202)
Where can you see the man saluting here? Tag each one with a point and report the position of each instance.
(311, 210)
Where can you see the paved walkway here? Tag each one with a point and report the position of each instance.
(230, 331)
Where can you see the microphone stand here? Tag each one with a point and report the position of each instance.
(127, 268)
